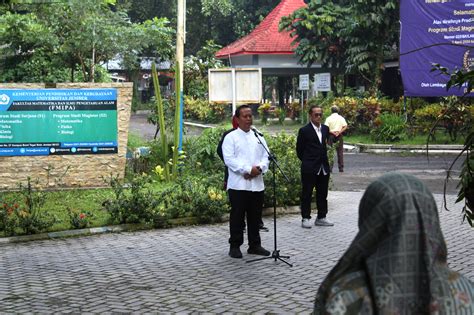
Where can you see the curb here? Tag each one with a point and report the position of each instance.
(72, 233)
(126, 227)
(400, 148)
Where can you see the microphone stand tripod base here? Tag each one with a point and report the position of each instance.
(275, 255)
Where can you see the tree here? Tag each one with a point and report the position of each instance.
(222, 21)
(351, 35)
(28, 50)
(463, 79)
(50, 40)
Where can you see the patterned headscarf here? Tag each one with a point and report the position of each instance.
(397, 262)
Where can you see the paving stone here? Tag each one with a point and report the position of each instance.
(187, 270)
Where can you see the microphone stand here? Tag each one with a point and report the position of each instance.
(276, 253)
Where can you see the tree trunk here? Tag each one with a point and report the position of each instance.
(281, 92)
(377, 79)
(92, 77)
(274, 94)
(83, 67)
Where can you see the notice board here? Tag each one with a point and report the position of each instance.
(247, 83)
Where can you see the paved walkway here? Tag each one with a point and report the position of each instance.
(187, 269)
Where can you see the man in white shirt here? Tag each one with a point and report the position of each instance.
(246, 160)
(337, 125)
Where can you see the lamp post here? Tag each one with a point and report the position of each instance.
(180, 41)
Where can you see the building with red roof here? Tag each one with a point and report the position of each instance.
(268, 48)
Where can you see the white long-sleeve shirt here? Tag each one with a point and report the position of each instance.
(241, 151)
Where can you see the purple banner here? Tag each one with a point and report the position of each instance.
(435, 31)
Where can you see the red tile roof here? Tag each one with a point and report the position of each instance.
(265, 38)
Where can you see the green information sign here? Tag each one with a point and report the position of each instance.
(58, 121)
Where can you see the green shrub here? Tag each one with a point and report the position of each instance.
(8, 217)
(132, 203)
(32, 218)
(425, 117)
(79, 219)
(349, 109)
(390, 129)
(280, 113)
(294, 110)
(195, 196)
(202, 151)
(389, 106)
(283, 146)
(200, 109)
(264, 112)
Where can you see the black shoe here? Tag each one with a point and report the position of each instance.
(263, 228)
(258, 250)
(235, 252)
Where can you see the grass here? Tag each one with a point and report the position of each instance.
(441, 138)
(58, 202)
(135, 141)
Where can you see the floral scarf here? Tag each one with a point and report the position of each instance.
(397, 262)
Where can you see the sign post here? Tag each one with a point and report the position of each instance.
(322, 82)
(303, 86)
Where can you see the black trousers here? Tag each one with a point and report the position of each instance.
(309, 182)
(245, 203)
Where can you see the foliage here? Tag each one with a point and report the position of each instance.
(135, 141)
(360, 114)
(179, 101)
(389, 106)
(264, 111)
(280, 113)
(466, 184)
(196, 67)
(459, 79)
(79, 219)
(294, 110)
(8, 217)
(50, 43)
(287, 193)
(428, 115)
(391, 128)
(161, 119)
(200, 109)
(318, 29)
(32, 218)
(453, 115)
(353, 35)
(133, 205)
(202, 151)
(168, 110)
(194, 196)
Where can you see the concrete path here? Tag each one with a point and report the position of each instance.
(187, 269)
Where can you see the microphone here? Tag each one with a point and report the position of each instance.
(256, 131)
